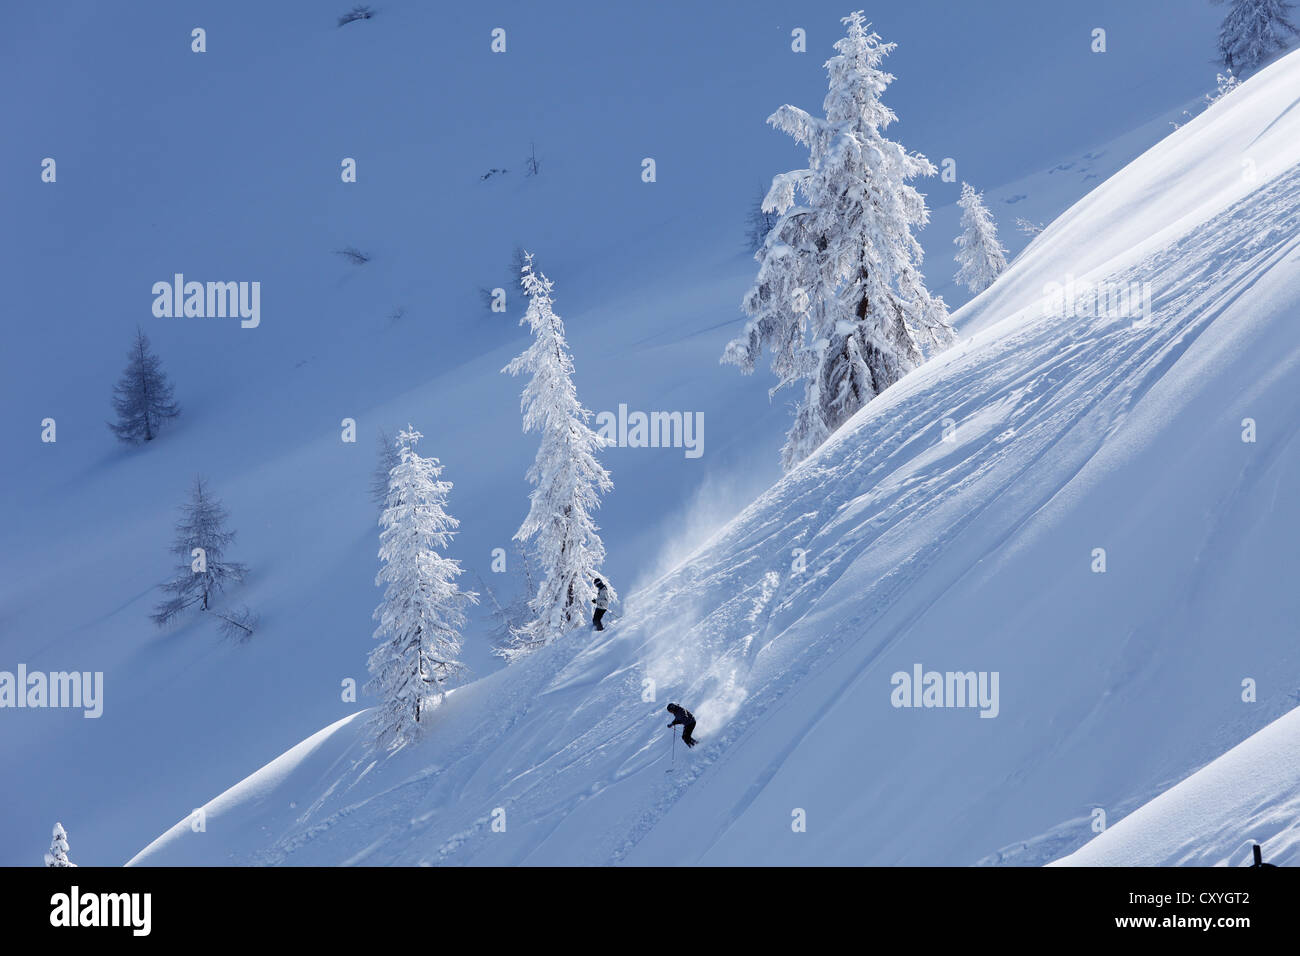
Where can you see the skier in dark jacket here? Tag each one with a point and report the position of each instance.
(601, 600)
(684, 717)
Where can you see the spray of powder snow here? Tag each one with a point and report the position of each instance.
(711, 508)
(697, 647)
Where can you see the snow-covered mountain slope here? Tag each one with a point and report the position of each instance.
(1042, 195)
(1202, 168)
(226, 166)
(954, 525)
(1249, 795)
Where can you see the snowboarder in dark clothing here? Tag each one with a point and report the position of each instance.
(684, 717)
(601, 600)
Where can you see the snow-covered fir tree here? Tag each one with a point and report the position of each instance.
(1255, 31)
(58, 852)
(979, 254)
(142, 397)
(423, 608)
(202, 571)
(839, 300)
(567, 477)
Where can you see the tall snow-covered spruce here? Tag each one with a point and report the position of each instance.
(1255, 31)
(980, 256)
(840, 301)
(423, 608)
(142, 397)
(58, 853)
(567, 477)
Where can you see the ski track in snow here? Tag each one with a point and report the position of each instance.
(1041, 400)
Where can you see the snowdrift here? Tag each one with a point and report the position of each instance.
(1064, 500)
(1213, 818)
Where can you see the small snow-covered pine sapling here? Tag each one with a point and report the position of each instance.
(423, 608)
(1225, 83)
(58, 852)
(142, 397)
(201, 542)
(980, 256)
(1254, 32)
(568, 480)
(839, 300)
